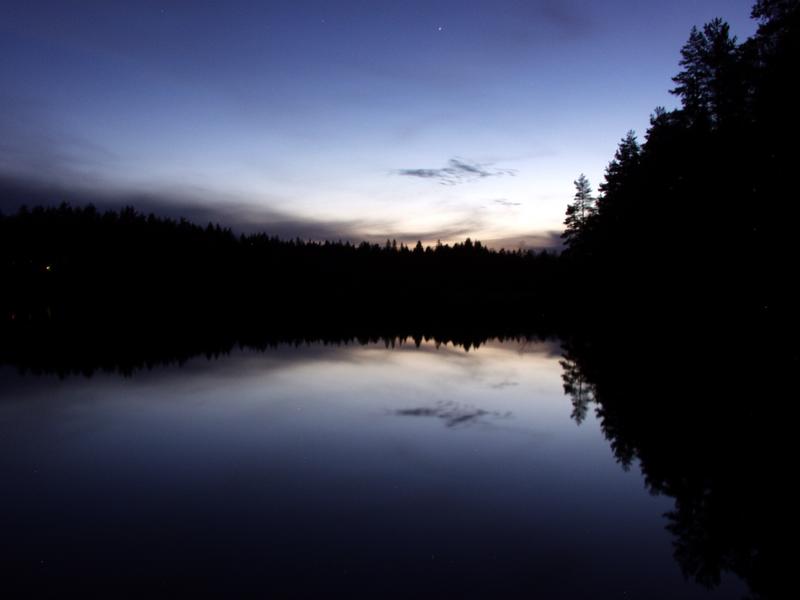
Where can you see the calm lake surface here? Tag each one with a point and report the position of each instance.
(314, 470)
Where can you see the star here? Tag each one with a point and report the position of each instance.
(440, 28)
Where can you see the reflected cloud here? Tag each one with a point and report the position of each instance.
(546, 346)
(127, 356)
(453, 414)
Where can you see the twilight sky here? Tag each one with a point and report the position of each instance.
(431, 119)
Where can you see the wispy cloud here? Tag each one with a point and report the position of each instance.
(507, 203)
(33, 144)
(457, 171)
(202, 206)
(195, 204)
(545, 240)
(199, 206)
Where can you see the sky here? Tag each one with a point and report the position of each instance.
(348, 119)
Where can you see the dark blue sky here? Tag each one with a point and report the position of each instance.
(432, 119)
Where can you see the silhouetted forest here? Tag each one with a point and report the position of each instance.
(65, 261)
(700, 219)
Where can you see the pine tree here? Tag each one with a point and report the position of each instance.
(626, 160)
(775, 11)
(579, 212)
(690, 81)
(708, 84)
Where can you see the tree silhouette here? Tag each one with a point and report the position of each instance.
(579, 212)
(695, 220)
(620, 170)
(577, 387)
(709, 85)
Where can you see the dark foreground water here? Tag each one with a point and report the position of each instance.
(321, 470)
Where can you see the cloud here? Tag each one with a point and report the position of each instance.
(507, 203)
(545, 240)
(192, 203)
(566, 17)
(33, 144)
(464, 225)
(548, 21)
(457, 171)
(198, 206)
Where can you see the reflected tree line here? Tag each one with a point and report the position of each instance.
(709, 423)
(64, 353)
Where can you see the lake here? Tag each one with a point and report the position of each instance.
(362, 470)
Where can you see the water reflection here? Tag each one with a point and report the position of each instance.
(454, 414)
(288, 472)
(705, 436)
(576, 385)
(70, 349)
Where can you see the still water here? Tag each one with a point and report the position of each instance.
(307, 471)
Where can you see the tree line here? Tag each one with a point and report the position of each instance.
(66, 261)
(701, 217)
